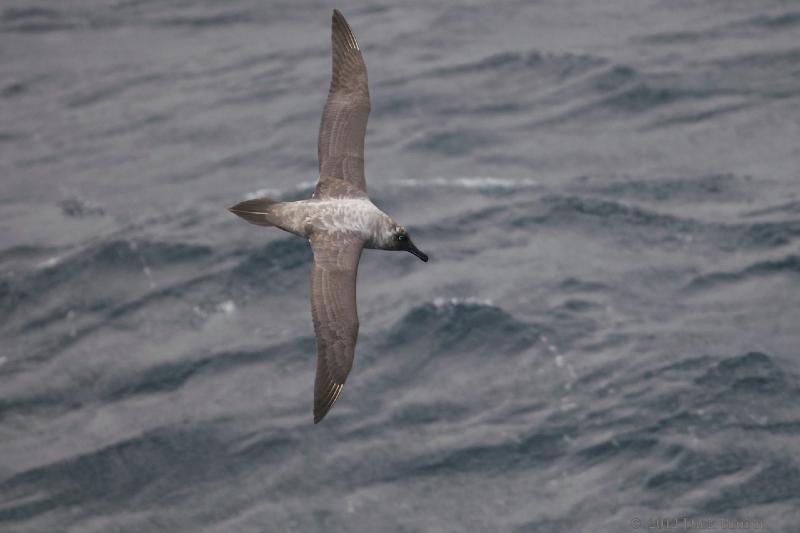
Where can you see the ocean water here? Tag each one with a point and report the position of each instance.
(608, 329)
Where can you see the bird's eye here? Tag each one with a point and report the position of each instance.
(401, 237)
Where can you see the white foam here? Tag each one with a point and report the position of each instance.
(149, 274)
(279, 193)
(466, 182)
(227, 307)
(442, 302)
(458, 182)
(50, 262)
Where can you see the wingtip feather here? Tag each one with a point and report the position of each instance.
(330, 397)
(339, 26)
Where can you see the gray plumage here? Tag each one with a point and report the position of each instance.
(339, 220)
(344, 120)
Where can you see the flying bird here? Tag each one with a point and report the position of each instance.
(339, 220)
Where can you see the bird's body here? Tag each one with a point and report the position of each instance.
(339, 220)
(354, 216)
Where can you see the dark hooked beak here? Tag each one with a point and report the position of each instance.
(416, 251)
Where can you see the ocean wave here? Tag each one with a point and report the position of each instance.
(625, 447)
(787, 265)
(619, 90)
(430, 412)
(457, 326)
(24, 251)
(169, 376)
(10, 90)
(73, 296)
(756, 26)
(116, 255)
(79, 208)
(127, 253)
(722, 393)
(514, 63)
(527, 451)
(703, 92)
(690, 189)
(454, 142)
(776, 22)
(562, 210)
(693, 116)
(791, 207)
(119, 476)
(779, 481)
(573, 285)
(741, 372)
(283, 262)
(678, 369)
(127, 281)
(769, 74)
(81, 271)
(550, 79)
(615, 219)
(212, 20)
(65, 18)
(695, 467)
(698, 398)
(111, 90)
(83, 18)
(757, 235)
(638, 224)
(34, 19)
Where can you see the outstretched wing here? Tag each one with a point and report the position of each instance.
(344, 120)
(333, 308)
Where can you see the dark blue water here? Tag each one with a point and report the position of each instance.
(607, 330)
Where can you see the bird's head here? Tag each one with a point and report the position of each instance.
(397, 238)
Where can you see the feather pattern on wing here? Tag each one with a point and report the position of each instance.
(333, 308)
(344, 120)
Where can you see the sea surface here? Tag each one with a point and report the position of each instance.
(608, 330)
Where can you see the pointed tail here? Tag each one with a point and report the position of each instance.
(258, 211)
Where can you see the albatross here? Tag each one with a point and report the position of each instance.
(339, 220)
